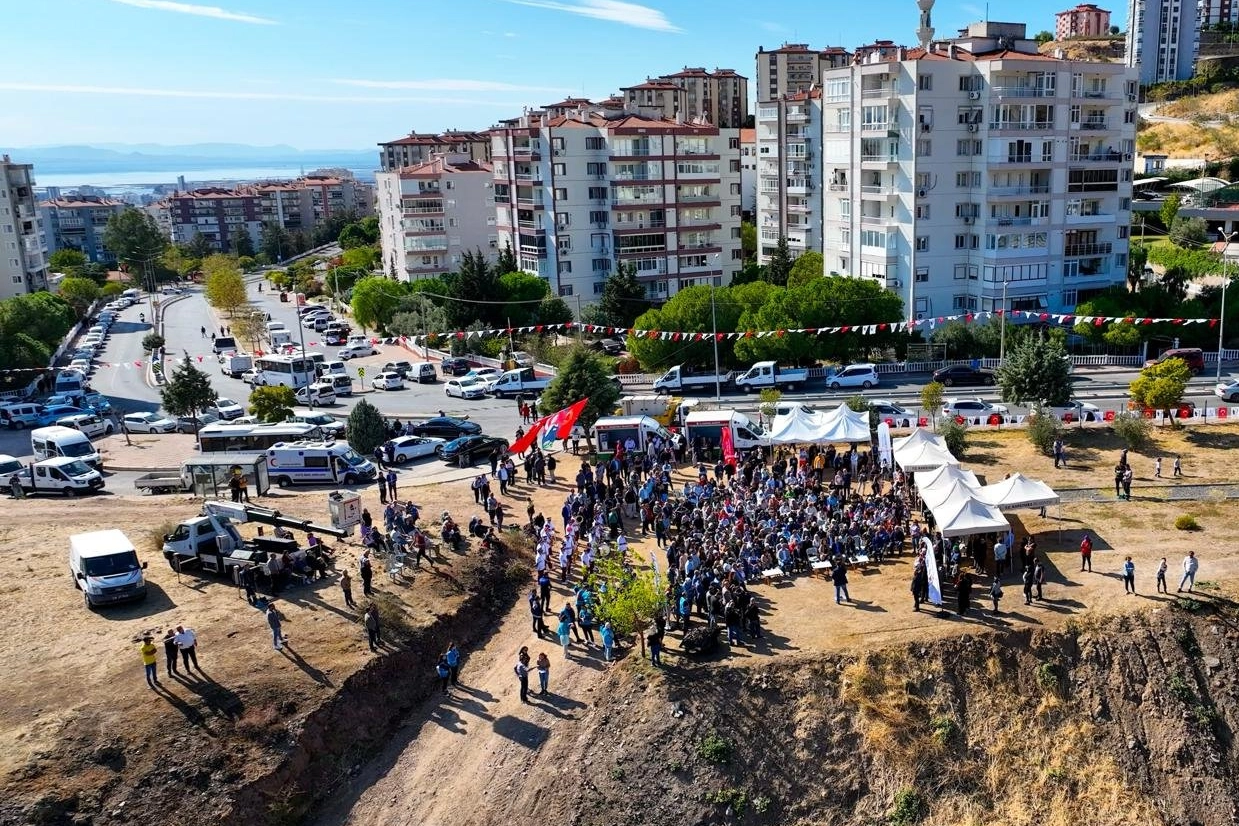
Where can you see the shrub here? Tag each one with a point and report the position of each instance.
(735, 798)
(761, 804)
(907, 809)
(1043, 430)
(945, 729)
(1047, 677)
(1186, 522)
(716, 748)
(152, 342)
(1180, 689)
(627, 366)
(1132, 428)
(955, 435)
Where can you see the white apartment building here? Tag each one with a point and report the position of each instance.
(578, 195)
(969, 171)
(23, 251)
(1163, 37)
(748, 173)
(433, 213)
(789, 174)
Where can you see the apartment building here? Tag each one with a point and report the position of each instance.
(417, 148)
(433, 213)
(218, 214)
(1213, 12)
(1163, 37)
(748, 173)
(578, 195)
(1085, 20)
(77, 222)
(720, 97)
(23, 251)
(789, 173)
(794, 68)
(970, 174)
(331, 195)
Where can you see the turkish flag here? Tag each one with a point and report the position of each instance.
(728, 446)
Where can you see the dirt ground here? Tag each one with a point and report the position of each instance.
(74, 679)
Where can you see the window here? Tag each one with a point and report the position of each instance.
(845, 208)
(967, 147)
(964, 302)
(922, 212)
(925, 83)
(594, 143)
(1070, 298)
(924, 147)
(597, 169)
(922, 275)
(733, 143)
(967, 210)
(561, 194)
(961, 241)
(599, 286)
(562, 219)
(601, 264)
(735, 166)
(737, 255)
(922, 243)
(599, 217)
(1123, 232)
(565, 267)
(970, 83)
(557, 143)
(597, 193)
(735, 210)
(565, 243)
(735, 232)
(1124, 203)
(965, 272)
(968, 180)
(565, 289)
(735, 189)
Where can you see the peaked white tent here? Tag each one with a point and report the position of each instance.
(918, 435)
(848, 425)
(1018, 491)
(924, 455)
(944, 495)
(927, 479)
(798, 426)
(969, 516)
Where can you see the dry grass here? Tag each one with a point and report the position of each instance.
(1220, 105)
(1189, 140)
(893, 720)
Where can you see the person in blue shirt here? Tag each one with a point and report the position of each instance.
(1129, 576)
(444, 673)
(452, 658)
(608, 640)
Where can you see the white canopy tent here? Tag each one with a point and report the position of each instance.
(848, 425)
(924, 455)
(1018, 491)
(918, 435)
(943, 495)
(967, 516)
(927, 479)
(798, 426)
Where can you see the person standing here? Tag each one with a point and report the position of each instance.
(544, 589)
(1177, 467)
(1157, 468)
(1161, 577)
(1000, 558)
(839, 576)
(452, 657)
(277, 630)
(995, 593)
(1028, 584)
(585, 618)
(1086, 553)
(1127, 477)
(564, 631)
(374, 630)
(654, 639)
(1118, 480)
(920, 584)
(149, 661)
(382, 480)
(963, 593)
(391, 480)
(1129, 576)
(1190, 565)
(522, 672)
(544, 671)
(535, 610)
(1039, 577)
(367, 573)
(169, 651)
(1059, 455)
(608, 640)
(346, 586)
(249, 581)
(187, 641)
(443, 672)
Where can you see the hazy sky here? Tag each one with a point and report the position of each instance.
(319, 74)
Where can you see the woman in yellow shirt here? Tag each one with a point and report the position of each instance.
(149, 651)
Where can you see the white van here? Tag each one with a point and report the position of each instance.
(70, 381)
(105, 568)
(8, 466)
(50, 442)
(280, 338)
(63, 474)
(20, 415)
(273, 326)
(305, 463)
(423, 371)
(132, 294)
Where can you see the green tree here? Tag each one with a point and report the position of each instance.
(329, 229)
(955, 435)
(553, 310)
(250, 328)
(1042, 37)
(630, 599)
(521, 291)
(224, 288)
(1161, 386)
(133, 237)
(582, 375)
(931, 399)
(375, 300)
(179, 261)
(274, 242)
(198, 246)
(112, 289)
(274, 403)
(81, 293)
(1137, 260)
(1189, 232)
(1169, 210)
(152, 341)
(748, 241)
(860, 404)
(31, 327)
(623, 297)
(1175, 281)
(69, 261)
(507, 259)
(1043, 430)
(188, 391)
(242, 243)
(769, 402)
(807, 267)
(779, 267)
(475, 280)
(1035, 370)
(1121, 335)
(360, 258)
(363, 233)
(417, 315)
(365, 428)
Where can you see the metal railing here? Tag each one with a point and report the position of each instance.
(1087, 249)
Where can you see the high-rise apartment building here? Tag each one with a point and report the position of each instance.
(577, 196)
(720, 97)
(1163, 37)
(748, 173)
(794, 67)
(219, 215)
(1085, 20)
(1213, 12)
(23, 251)
(789, 173)
(415, 148)
(433, 213)
(966, 172)
(77, 222)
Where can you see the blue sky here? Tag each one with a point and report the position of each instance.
(329, 74)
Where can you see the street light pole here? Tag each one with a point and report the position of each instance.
(1002, 326)
(1221, 316)
(718, 381)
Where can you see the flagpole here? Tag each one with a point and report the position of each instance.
(718, 382)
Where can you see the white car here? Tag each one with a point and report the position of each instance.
(466, 387)
(972, 408)
(490, 375)
(250, 376)
(390, 380)
(168, 289)
(309, 319)
(854, 375)
(1077, 410)
(316, 393)
(81, 365)
(227, 409)
(1228, 391)
(90, 424)
(405, 448)
(147, 423)
(356, 351)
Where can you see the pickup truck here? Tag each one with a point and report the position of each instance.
(769, 374)
(168, 481)
(683, 379)
(517, 382)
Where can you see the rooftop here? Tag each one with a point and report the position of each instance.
(82, 202)
(440, 165)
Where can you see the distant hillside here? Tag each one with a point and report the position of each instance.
(1105, 50)
(1210, 126)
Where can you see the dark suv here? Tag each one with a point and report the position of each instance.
(454, 366)
(963, 375)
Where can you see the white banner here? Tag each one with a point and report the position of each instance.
(931, 570)
(884, 445)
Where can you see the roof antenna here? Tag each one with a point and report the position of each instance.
(925, 33)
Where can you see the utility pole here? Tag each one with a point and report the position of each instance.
(718, 381)
(1221, 316)
(1002, 326)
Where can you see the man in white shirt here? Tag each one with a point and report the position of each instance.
(1000, 558)
(187, 641)
(1190, 566)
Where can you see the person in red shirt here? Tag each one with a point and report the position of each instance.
(1086, 553)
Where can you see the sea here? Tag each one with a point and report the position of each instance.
(145, 181)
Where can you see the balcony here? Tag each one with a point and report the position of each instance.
(1094, 125)
(884, 158)
(529, 176)
(883, 190)
(1094, 218)
(527, 150)
(837, 127)
(877, 127)
(1014, 159)
(531, 226)
(885, 91)
(799, 186)
(72, 223)
(660, 249)
(1097, 157)
(799, 209)
(1001, 191)
(796, 116)
(1015, 222)
(1022, 92)
(1081, 250)
(876, 221)
(1022, 125)
(837, 187)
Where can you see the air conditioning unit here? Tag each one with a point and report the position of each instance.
(927, 127)
(558, 152)
(1127, 157)
(968, 219)
(973, 127)
(974, 96)
(894, 282)
(922, 193)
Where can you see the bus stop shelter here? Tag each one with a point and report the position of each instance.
(209, 473)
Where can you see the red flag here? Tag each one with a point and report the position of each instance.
(524, 442)
(728, 446)
(567, 417)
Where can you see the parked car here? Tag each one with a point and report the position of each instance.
(51, 412)
(316, 393)
(90, 424)
(521, 359)
(465, 387)
(335, 337)
(353, 351)
(854, 375)
(962, 375)
(388, 380)
(1076, 409)
(407, 448)
(227, 409)
(98, 403)
(886, 407)
(972, 407)
(330, 425)
(453, 366)
(1228, 391)
(401, 367)
(250, 376)
(610, 346)
(1193, 357)
(187, 424)
(147, 423)
(446, 427)
(472, 448)
(490, 375)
